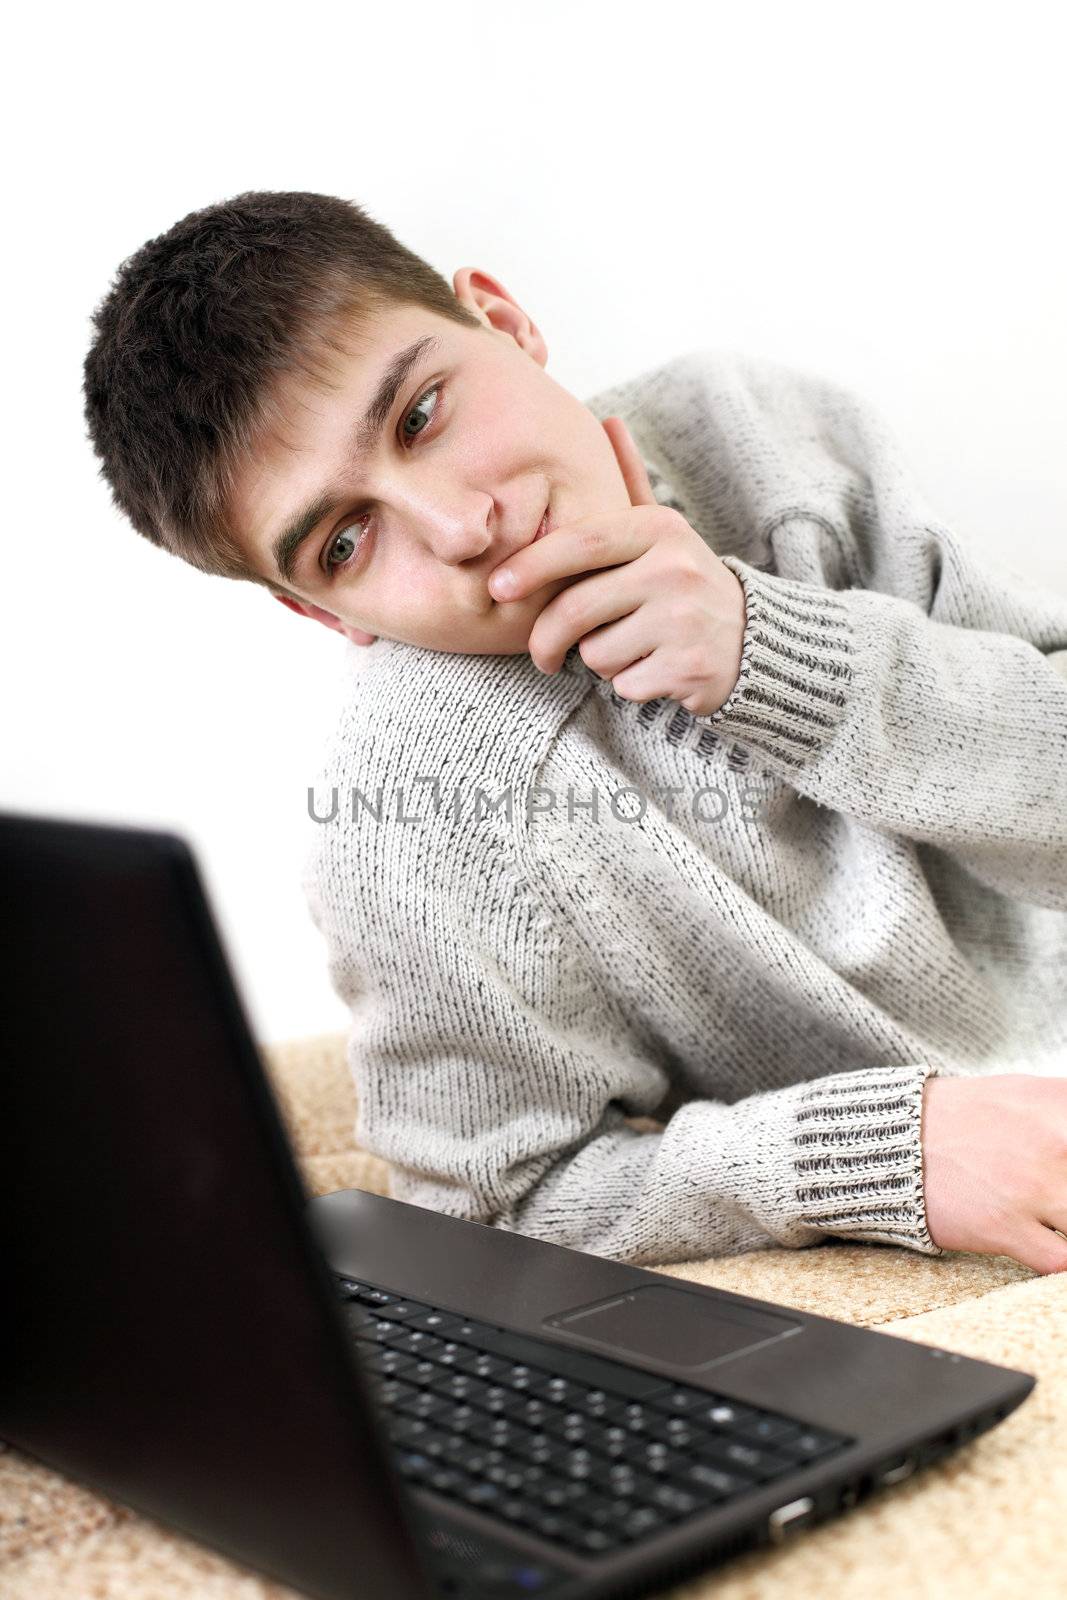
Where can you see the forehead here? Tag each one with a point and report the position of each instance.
(308, 416)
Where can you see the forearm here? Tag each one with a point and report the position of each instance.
(951, 735)
(839, 1156)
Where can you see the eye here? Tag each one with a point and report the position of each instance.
(343, 539)
(415, 412)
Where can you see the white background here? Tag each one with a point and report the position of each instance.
(874, 192)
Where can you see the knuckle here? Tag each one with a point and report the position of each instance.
(537, 648)
(618, 685)
(591, 651)
(1047, 1257)
(667, 519)
(593, 539)
(695, 664)
(568, 607)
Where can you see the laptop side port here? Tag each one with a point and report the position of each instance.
(895, 1471)
(853, 1493)
(789, 1519)
(889, 1472)
(934, 1449)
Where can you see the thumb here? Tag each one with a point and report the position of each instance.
(630, 462)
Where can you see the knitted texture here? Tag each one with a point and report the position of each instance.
(661, 986)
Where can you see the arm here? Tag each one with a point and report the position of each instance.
(496, 1079)
(929, 699)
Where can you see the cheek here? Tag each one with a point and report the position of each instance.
(507, 428)
(485, 426)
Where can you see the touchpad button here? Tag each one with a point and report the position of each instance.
(673, 1325)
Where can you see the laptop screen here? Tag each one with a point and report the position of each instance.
(168, 1335)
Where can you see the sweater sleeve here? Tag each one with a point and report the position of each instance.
(498, 1082)
(898, 678)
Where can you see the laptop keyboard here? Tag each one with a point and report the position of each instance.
(585, 1452)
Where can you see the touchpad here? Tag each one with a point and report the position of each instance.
(673, 1325)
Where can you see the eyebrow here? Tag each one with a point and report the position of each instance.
(287, 545)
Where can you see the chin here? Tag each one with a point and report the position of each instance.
(512, 640)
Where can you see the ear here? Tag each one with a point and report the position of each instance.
(486, 296)
(327, 618)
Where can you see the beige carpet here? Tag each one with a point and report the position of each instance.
(991, 1521)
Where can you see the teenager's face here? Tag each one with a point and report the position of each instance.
(405, 529)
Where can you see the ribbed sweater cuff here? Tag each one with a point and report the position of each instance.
(857, 1156)
(796, 668)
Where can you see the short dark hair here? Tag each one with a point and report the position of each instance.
(197, 328)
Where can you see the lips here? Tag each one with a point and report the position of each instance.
(543, 527)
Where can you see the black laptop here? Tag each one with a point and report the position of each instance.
(357, 1396)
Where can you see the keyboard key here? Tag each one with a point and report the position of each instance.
(532, 1412)
(681, 1402)
(434, 1443)
(810, 1444)
(443, 1479)
(481, 1494)
(550, 1524)
(570, 1426)
(558, 1391)
(455, 1385)
(603, 1510)
(642, 1520)
(595, 1540)
(673, 1431)
(577, 1463)
(434, 1321)
(753, 1461)
(520, 1477)
(540, 1448)
(557, 1496)
(496, 1400)
(399, 1310)
(725, 1414)
(418, 1372)
(650, 1456)
(423, 1404)
(676, 1501)
(770, 1430)
(391, 1333)
(596, 1403)
(350, 1289)
(718, 1480)
(621, 1476)
(480, 1365)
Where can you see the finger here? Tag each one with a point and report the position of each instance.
(1039, 1248)
(607, 613)
(602, 540)
(615, 647)
(631, 462)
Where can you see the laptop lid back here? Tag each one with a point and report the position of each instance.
(169, 1335)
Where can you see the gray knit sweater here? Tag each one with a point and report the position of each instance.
(554, 913)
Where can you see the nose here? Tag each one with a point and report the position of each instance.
(457, 536)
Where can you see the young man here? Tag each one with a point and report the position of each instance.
(743, 809)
